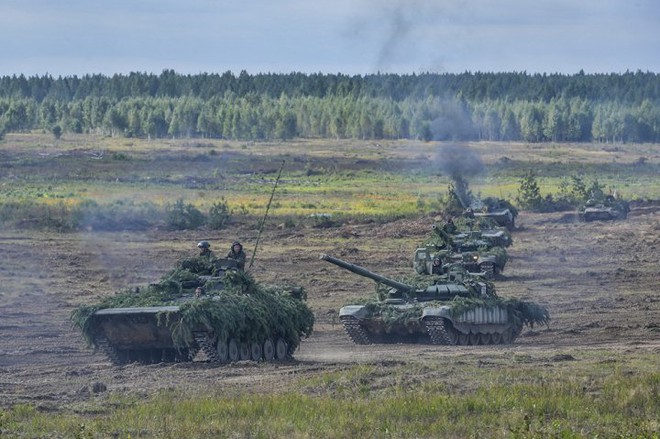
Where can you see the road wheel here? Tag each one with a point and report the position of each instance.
(244, 351)
(281, 349)
(255, 351)
(269, 350)
(233, 350)
(223, 351)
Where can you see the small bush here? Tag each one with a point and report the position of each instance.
(57, 131)
(182, 216)
(219, 215)
(529, 193)
(324, 221)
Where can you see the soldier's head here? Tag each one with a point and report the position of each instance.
(236, 246)
(203, 247)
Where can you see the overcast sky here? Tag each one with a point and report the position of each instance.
(77, 37)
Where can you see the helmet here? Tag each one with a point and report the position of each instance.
(203, 244)
(237, 243)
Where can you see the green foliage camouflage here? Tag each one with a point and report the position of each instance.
(232, 304)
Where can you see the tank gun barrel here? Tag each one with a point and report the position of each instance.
(399, 286)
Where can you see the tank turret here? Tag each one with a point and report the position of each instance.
(436, 291)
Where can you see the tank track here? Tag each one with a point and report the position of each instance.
(207, 346)
(440, 332)
(103, 345)
(121, 357)
(355, 331)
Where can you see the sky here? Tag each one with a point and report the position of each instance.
(353, 37)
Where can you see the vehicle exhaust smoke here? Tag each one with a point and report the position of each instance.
(459, 162)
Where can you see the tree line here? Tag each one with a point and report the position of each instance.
(468, 106)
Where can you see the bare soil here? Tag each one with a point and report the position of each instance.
(599, 280)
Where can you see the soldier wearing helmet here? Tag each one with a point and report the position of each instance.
(205, 250)
(236, 253)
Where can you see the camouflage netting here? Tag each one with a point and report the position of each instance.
(232, 304)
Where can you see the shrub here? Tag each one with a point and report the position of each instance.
(57, 131)
(529, 194)
(182, 216)
(219, 215)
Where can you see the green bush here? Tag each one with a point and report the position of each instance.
(219, 215)
(182, 216)
(529, 193)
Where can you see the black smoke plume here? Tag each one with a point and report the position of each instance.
(460, 163)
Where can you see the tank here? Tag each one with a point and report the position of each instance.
(486, 263)
(226, 315)
(497, 209)
(473, 250)
(603, 209)
(454, 310)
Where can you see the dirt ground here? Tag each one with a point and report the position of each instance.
(599, 281)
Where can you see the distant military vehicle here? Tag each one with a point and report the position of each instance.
(501, 211)
(476, 251)
(487, 263)
(604, 208)
(455, 310)
(227, 315)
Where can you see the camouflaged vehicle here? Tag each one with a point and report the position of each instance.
(497, 209)
(231, 318)
(487, 263)
(475, 250)
(603, 209)
(456, 309)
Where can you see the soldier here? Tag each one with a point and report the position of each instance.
(449, 227)
(205, 250)
(437, 265)
(236, 253)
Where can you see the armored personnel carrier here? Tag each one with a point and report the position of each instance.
(454, 310)
(225, 314)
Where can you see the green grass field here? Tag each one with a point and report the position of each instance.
(342, 178)
(520, 396)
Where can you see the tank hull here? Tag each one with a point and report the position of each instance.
(143, 335)
(435, 325)
(503, 217)
(602, 214)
